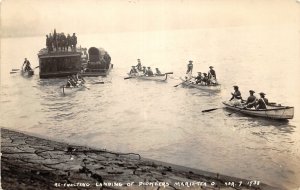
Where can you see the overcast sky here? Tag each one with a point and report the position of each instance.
(38, 17)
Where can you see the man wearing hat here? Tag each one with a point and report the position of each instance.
(251, 101)
(133, 70)
(139, 65)
(205, 79)
(157, 71)
(190, 68)
(262, 102)
(236, 94)
(198, 78)
(144, 70)
(212, 73)
(27, 65)
(149, 72)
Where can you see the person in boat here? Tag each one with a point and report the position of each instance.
(190, 68)
(198, 78)
(262, 102)
(251, 100)
(144, 70)
(79, 78)
(133, 70)
(149, 72)
(71, 82)
(236, 94)
(205, 79)
(212, 77)
(139, 65)
(27, 65)
(157, 71)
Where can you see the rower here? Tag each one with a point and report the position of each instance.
(70, 83)
(236, 94)
(251, 100)
(190, 68)
(198, 78)
(139, 65)
(149, 72)
(79, 78)
(133, 70)
(205, 79)
(144, 70)
(157, 71)
(262, 102)
(27, 65)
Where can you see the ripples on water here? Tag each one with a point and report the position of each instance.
(160, 121)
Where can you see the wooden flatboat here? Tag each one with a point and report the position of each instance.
(272, 112)
(158, 78)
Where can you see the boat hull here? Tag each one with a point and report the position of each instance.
(97, 72)
(27, 73)
(273, 112)
(69, 90)
(158, 78)
(207, 88)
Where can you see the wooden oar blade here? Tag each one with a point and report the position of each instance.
(127, 78)
(169, 73)
(13, 72)
(99, 82)
(209, 110)
(15, 69)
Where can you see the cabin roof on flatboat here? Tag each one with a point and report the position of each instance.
(43, 53)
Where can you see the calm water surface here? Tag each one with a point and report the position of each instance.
(160, 121)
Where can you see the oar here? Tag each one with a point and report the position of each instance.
(13, 72)
(86, 87)
(100, 82)
(36, 67)
(169, 73)
(127, 78)
(209, 110)
(15, 69)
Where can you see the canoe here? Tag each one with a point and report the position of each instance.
(66, 90)
(208, 88)
(158, 78)
(272, 112)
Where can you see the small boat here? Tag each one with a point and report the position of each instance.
(272, 112)
(66, 90)
(28, 73)
(158, 78)
(208, 88)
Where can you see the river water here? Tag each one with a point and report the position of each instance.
(160, 121)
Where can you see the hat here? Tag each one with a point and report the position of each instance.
(205, 74)
(190, 61)
(235, 86)
(138, 59)
(261, 93)
(132, 66)
(211, 67)
(148, 67)
(144, 66)
(198, 72)
(251, 91)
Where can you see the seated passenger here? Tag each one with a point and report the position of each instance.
(133, 70)
(236, 94)
(205, 79)
(198, 78)
(139, 65)
(149, 72)
(251, 100)
(71, 83)
(144, 70)
(157, 71)
(262, 102)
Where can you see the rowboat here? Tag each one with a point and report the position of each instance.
(209, 88)
(158, 78)
(27, 73)
(272, 112)
(66, 90)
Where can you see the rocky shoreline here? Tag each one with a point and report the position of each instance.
(29, 162)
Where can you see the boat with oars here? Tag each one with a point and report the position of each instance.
(27, 73)
(211, 88)
(273, 111)
(155, 77)
(69, 89)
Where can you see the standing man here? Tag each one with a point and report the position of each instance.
(27, 65)
(139, 65)
(48, 43)
(212, 77)
(69, 42)
(74, 42)
(190, 68)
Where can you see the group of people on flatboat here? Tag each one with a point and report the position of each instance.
(143, 70)
(26, 65)
(75, 80)
(61, 42)
(209, 78)
(251, 102)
